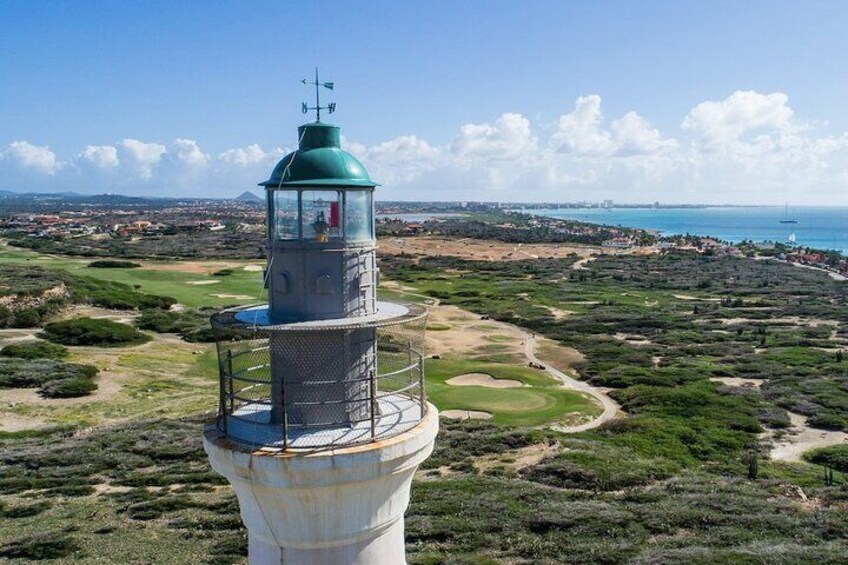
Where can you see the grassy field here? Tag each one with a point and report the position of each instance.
(541, 401)
(671, 483)
(175, 279)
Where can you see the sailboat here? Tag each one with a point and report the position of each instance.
(786, 219)
(791, 238)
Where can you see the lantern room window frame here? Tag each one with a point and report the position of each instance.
(342, 220)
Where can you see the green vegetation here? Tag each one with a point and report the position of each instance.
(191, 325)
(35, 294)
(679, 339)
(671, 483)
(34, 350)
(518, 227)
(165, 493)
(228, 243)
(541, 402)
(113, 264)
(835, 457)
(52, 378)
(93, 332)
(174, 280)
(587, 503)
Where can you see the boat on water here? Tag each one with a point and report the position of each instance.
(786, 219)
(791, 238)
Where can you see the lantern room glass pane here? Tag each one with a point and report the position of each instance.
(321, 215)
(285, 214)
(357, 216)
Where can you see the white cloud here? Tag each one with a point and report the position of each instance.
(746, 148)
(634, 135)
(102, 156)
(188, 153)
(28, 156)
(580, 132)
(508, 138)
(245, 156)
(742, 112)
(144, 155)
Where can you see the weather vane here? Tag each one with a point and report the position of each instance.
(331, 107)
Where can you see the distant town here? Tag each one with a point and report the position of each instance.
(113, 225)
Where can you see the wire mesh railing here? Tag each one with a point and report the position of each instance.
(296, 386)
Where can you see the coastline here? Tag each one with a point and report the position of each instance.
(821, 228)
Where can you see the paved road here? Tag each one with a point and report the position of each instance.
(611, 407)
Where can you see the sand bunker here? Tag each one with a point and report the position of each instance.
(253, 268)
(234, 296)
(198, 283)
(466, 414)
(738, 381)
(482, 379)
(690, 297)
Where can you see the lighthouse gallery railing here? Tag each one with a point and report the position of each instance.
(385, 398)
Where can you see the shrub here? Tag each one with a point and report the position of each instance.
(67, 388)
(40, 546)
(835, 457)
(162, 321)
(90, 331)
(34, 282)
(34, 350)
(192, 325)
(54, 379)
(23, 510)
(113, 264)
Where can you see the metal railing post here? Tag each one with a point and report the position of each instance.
(230, 379)
(222, 402)
(421, 399)
(373, 382)
(285, 415)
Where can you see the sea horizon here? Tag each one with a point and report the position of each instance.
(818, 227)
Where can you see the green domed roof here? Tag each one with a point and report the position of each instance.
(319, 161)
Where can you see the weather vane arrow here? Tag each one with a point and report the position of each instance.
(330, 107)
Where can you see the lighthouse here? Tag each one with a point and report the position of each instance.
(322, 415)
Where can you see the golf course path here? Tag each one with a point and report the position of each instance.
(611, 407)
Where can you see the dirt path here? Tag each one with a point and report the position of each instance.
(580, 264)
(481, 250)
(611, 407)
(802, 438)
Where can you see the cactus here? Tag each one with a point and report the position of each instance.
(752, 458)
(828, 476)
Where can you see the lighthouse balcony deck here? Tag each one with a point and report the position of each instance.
(328, 384)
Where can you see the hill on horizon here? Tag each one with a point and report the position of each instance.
(248, 196)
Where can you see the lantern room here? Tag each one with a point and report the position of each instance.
(320, 231)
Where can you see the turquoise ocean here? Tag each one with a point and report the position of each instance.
(816, 227)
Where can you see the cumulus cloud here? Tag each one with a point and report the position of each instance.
(145, 156)
(747, 148)
(102, 156)
(244, 156)
(508, 138)
(634, 135)
(188, 153)
(742, 112)
(28, 156)
(582, 133)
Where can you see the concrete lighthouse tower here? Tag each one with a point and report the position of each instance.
(322, 418)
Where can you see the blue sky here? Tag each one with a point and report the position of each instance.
(489, 100)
